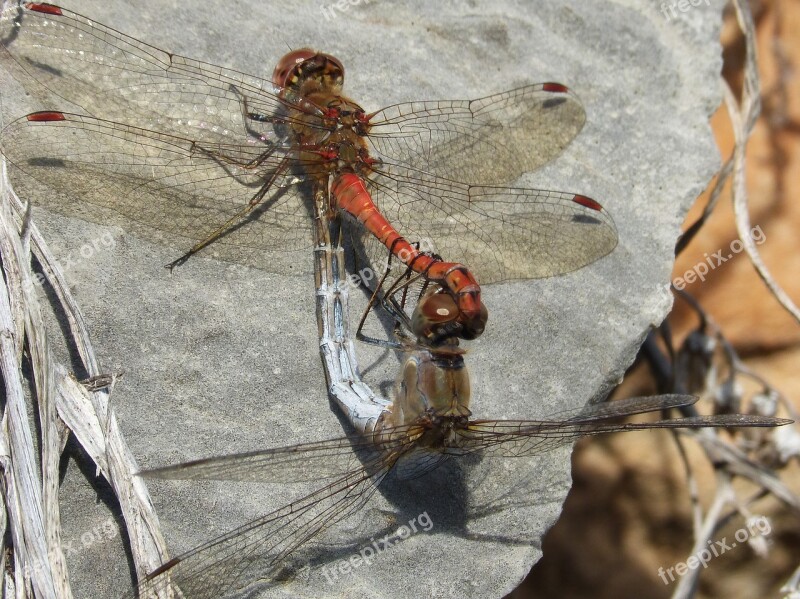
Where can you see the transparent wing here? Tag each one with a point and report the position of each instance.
(499, 233)
(516, 438)
(113, 76)
(172, 190)
(338, 456)
(253, 557)
(489, 141)
(116, 77)
(178, 191)
(237, 125)
(296, 463)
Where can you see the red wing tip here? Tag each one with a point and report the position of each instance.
(46, 116)
(50, 9)
(163, 568)
(556, 88)
(587, 202)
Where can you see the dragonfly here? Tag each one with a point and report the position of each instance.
(207, 158)
(428, 423)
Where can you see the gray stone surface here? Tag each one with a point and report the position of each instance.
(220, 358)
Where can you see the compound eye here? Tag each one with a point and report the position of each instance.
(288, 64)
(473, 328)
(435, 310)
(440, 308)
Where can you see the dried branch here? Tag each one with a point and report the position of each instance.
(63, 405)
(743, 120)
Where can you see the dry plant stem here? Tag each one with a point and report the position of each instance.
(691, 483)
(792, 585)
(737, 463)
(734, 463)
(6, 584)
(734, 460)
(14, 580)
(3, 514)
(736, 362)
(39, 559)
(86, 414)
(114, 459)
(688, 583)
(743, 121)
(744, 370)
(53, 433)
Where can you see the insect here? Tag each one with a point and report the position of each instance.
(199, 156)
(428, 423)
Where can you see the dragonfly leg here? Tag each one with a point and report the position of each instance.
(257, 198)
(394, 306)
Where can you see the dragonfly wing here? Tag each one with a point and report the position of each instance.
(489, 141)
(419, 462)
(296, 463)
(514, 438)
(171, 190)
(116, 77)
(500, 233)
(254, 556)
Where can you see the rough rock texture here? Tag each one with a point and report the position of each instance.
(219, 358)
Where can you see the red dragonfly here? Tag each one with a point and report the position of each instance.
(188, 153)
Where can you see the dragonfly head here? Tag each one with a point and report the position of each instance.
(438, 320)
(300, 69)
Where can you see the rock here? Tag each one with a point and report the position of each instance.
(220, 358)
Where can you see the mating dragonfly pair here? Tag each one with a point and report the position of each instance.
(188, 153)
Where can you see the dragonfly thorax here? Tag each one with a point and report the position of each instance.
(342, 113)
(346, 153)
(431, 387)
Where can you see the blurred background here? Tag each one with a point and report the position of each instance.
(629, 512)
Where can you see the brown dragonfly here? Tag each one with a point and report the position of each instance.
(188, 153)
(428, 423)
